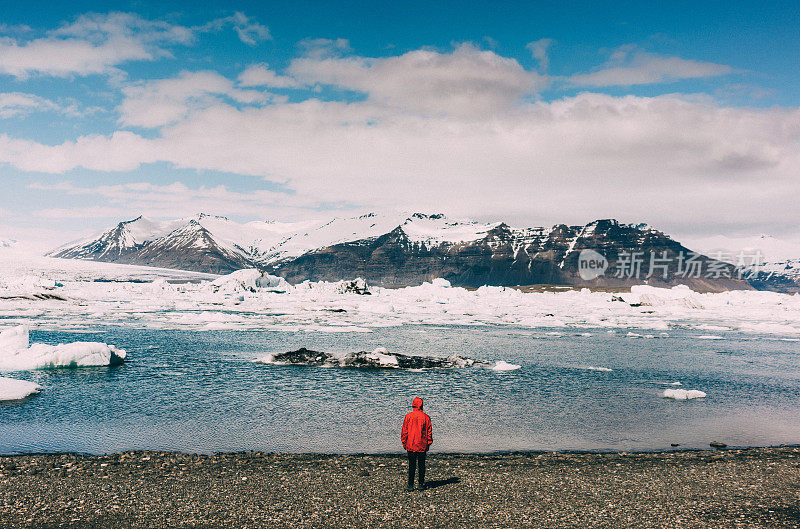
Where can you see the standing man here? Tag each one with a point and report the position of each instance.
(417, 436)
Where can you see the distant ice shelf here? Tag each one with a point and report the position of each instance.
(79, 295)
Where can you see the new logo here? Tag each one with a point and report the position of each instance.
(591, 264)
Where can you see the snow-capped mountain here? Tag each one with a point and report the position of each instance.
(395, 249)
(769, 263)
(470, 254)
(204, 243)
(167, 243)
(430, 230)
(126, 237)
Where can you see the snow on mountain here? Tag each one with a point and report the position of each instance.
(769, 262)
(425, 229)
(771, 249)
(386, 248)
(191, 247)
(126, 236)
(257, 238)
(262, 241)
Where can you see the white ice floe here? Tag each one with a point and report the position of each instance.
(17, 355)
(84, 294)
(250, 280)
(13, 389)
(596, 368)
(382, 356)
(683, 394)
(440, 282)
(14, 339)
(710, 337)
(502, 365)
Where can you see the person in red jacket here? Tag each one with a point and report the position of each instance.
(417, 436)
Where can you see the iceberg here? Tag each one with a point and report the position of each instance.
(17, 355)
(683, 394)
(13, 389)
(64, 294)
(597, 368)
(14, 339)
(501, 365)
(249, 280)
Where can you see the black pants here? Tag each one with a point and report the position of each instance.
(416, 459)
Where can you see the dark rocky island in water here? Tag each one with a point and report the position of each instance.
(377, 359)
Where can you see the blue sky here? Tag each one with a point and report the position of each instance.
(682, 115)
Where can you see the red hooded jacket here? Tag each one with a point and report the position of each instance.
(417, 433)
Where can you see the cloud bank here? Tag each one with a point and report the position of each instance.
(463, 130)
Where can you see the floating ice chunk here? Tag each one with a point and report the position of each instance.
(596, 368)
(356, 286)
(710, 337)
(637, 335)
(678, 296)
(160, 286)
(16, 355)
(249, 280)
(13, 389)
(501, 365)
(14, 339)
(382, 356)
(683, 394)
(29, 283)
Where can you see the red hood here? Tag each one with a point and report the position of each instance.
(417, 403)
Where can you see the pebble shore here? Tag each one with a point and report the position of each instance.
(710, 488)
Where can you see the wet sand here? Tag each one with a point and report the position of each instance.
(726, 488)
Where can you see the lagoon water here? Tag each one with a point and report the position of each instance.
(201, 392)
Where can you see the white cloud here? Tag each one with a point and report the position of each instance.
(92, 44)
(460, 132)
(629, 66)
(173, 200)
(248, 30)
(121, 151)
(538, 49)
(323, 48)
(467, 81)
(673, 162)
(19, 104)
(261, 75)
(91, 212)
(14, 104)
(15, 28)
(157, 103)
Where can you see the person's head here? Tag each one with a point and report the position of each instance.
(417, 403)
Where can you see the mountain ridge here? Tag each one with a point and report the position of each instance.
(401, 249)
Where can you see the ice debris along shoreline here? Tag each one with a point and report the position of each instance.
(46, 294)
(12, 389)
(17, 354)
(380, 358)
(683, 394)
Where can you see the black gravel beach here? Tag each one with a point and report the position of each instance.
(724, 488)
